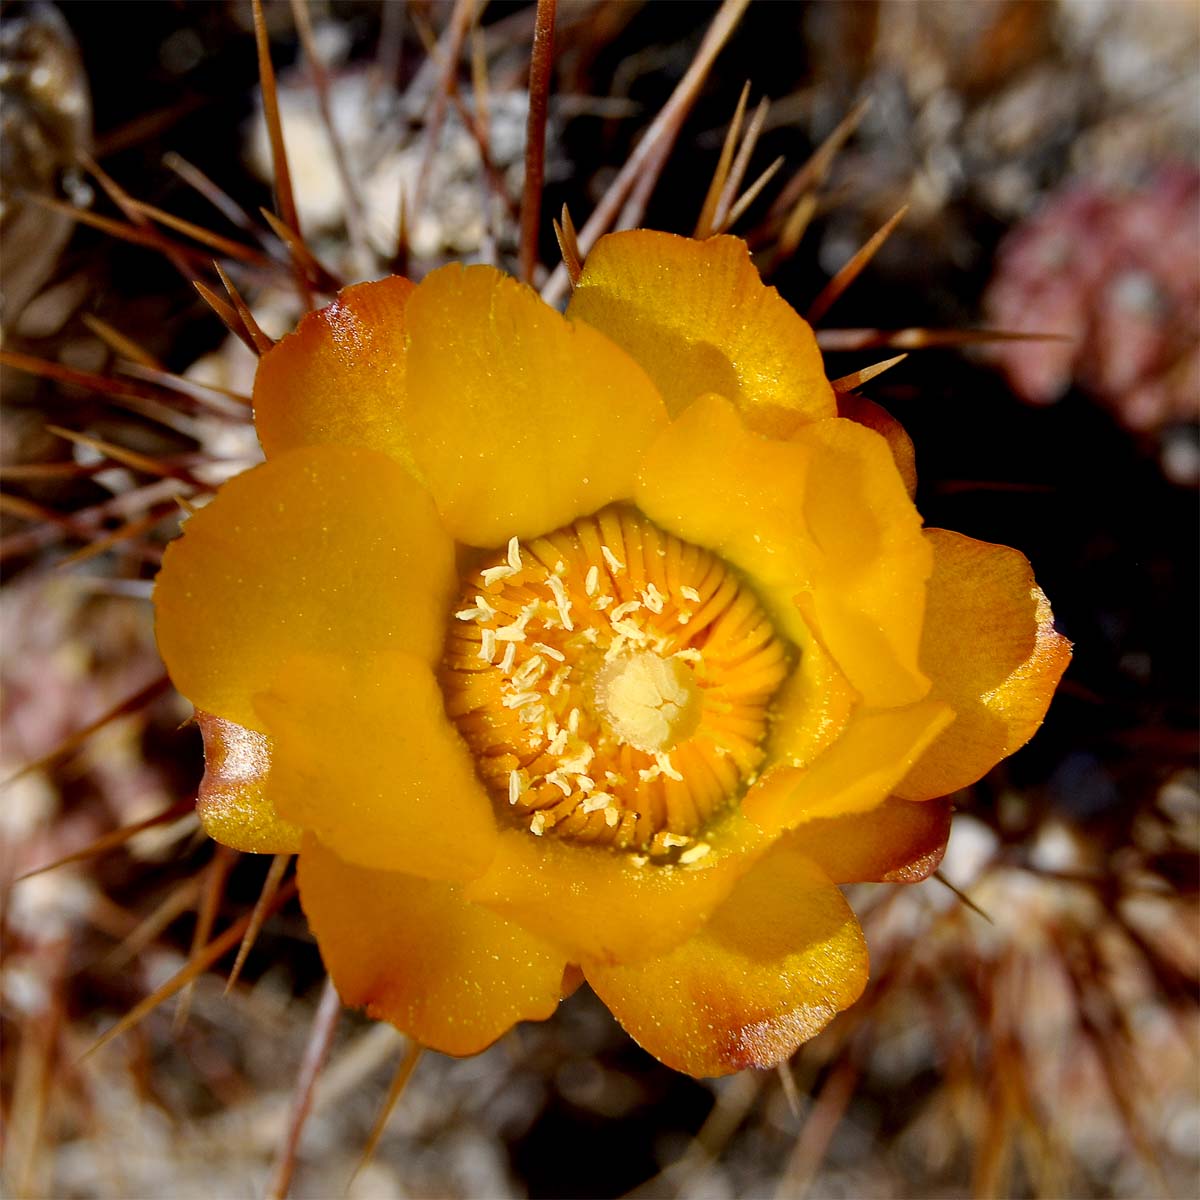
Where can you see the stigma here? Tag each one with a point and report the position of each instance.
(614, 684)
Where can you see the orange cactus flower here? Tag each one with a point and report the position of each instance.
(591, 646)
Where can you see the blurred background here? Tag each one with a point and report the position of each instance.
(1043, 1043)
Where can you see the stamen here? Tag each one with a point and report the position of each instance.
(650, 707)
(487, 644)
(532, 668)
(491, 575)
(559, 591)
(653, 598)
(515, 632)
(672, 841)
(559, 780)
(664, 764)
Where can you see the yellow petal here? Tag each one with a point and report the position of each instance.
(231, 804)
(519, 421)
(874, 416)
(452, 976)
(598, 903)
(777, 961)
(990, 649)
(869, 599)
(323, 549)
(338, 379)
(898, 842)
(697, 316)
(874, 752)
(367, 760)
(822, 521)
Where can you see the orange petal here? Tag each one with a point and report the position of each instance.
(338, 379)
(697, 316)
(230, 804)
(452, 976)
(874, 416)
(323, 549)
(599, 904)
(519, 421)
(367, 760)
(822, 520)
(898, 842)
(991, 650)
(874, 752)
(777, 961)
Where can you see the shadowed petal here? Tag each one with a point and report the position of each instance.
(599, 903)
(900, 841)
(367, 760)
(323, 549)
(811, 709)
(231, 804)
(698, 318)
(519, 420)
(991, 650)
(339, 378)
(874, 416)
(777, 961)
(874, 752)
(821, 522)
(449, 974)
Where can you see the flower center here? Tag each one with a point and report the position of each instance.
(648, 701)
(614, 684)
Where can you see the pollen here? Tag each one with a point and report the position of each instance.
(632, 698)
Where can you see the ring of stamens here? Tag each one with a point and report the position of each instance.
(614, 684)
